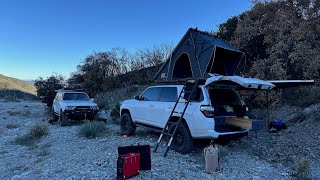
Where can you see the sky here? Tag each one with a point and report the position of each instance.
(42, 37)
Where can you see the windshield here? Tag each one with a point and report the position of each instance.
(76, 96)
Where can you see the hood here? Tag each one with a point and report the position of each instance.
(239, 82)
(79, 103)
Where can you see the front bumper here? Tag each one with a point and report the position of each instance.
(81, 114)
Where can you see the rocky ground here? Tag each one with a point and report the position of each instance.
(62, 154)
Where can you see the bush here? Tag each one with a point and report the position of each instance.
(317, 117)
(36, 132)
(39, 130)
(303, 96)
(92, 129)
(10, 98)
(222, 151)
(25, 140)
(14, 113)
(102, 103)
(46, 87)
(12, 126)
(115, 112)
(302, 169)
(133, 89)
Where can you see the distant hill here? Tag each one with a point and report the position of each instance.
(16, 87)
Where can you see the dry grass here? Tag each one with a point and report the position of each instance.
(12, 126)
(14, 113)
(223, 151)
(25, 140)
(92, 129)
(30, 139)
(301, 170)
(25, 112)
(39, 130)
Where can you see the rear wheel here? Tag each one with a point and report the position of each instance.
(127, 126)
(64, 121)
(183, 141)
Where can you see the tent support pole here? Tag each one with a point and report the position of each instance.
(195, 54)
(214, 56)
(268, 115)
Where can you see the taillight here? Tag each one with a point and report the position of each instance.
(207, 111)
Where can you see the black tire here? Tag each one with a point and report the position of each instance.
(64, 121)
(127, 127)
(54, 116)
(183, 141)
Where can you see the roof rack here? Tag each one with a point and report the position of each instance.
(201, 81)
(71, 89)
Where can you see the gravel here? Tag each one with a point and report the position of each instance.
(62, 154)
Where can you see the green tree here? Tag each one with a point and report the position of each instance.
(46, 87)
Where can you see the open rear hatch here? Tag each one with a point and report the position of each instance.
(229, 109)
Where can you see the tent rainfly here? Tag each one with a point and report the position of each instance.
(197, 54)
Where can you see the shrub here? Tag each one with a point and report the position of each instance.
(303, 96)
(92, 129)
(25, 140)
(14, 113)
(12, 126)
(102, 103)
(302, 169)
(44, 151)
(35, 133)
(115, 112)
(10, 98)
(317, 114)
(222, 151)
(133, 89)
(39, 130)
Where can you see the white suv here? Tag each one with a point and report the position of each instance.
(73, 104)
(204, 118)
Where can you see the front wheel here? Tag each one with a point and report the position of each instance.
(127, 126)
(55, 117)
(64, 121)
(182, 141)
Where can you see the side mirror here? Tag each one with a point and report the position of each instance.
(137, 98)
(92, 99)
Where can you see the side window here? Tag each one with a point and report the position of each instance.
(152, 94)
(200, 95)
(169, 94)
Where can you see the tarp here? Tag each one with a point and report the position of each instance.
(197, 54)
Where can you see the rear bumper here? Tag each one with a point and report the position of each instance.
(212, 134)
(212, 130)
(81, 114)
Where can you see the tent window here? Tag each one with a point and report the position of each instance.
(182, 67)
(225, 62)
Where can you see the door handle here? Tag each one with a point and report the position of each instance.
(151, 105)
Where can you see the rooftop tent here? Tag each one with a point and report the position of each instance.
(197, 54)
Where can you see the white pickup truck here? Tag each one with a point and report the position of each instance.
(205, 118)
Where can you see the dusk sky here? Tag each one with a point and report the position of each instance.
(41, 37)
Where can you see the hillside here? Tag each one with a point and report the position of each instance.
(15, 86)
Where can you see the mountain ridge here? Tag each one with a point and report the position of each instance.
(13, 84)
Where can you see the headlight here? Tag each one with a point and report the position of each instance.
(95, 107)
(70, 107)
